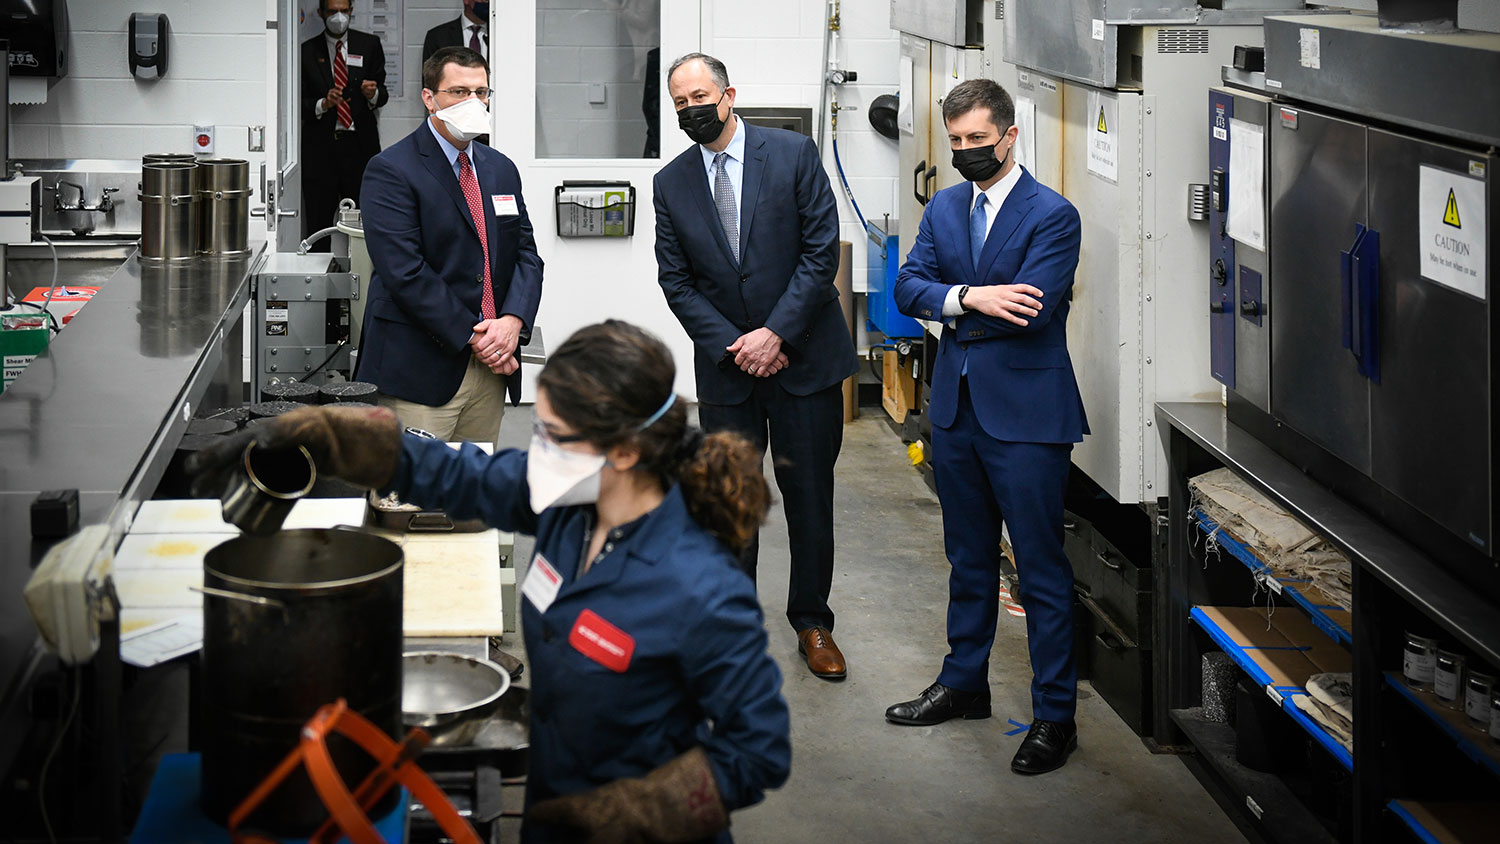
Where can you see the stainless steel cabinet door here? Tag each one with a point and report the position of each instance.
(1318, 197)
(1430, 416)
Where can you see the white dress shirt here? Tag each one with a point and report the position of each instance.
(734, 165)
(469, 28)
(333, 58)
(994, 198)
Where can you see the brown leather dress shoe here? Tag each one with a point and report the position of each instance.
(822, 655)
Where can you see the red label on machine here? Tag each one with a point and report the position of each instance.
(602, 642)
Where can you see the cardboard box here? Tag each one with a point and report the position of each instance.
(23, 336)
(67, 300)
(898, 392)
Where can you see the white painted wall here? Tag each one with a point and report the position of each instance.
(773, 48)
(593, 42)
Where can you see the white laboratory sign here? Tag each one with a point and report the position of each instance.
(1247, 184)
(1103, 131)
(1025, 131)
(907, 84)
(1452, 226)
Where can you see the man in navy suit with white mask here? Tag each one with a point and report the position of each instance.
(747, 247)
(993, 260)
(457, 278)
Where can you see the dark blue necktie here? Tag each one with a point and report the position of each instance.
(977, 229)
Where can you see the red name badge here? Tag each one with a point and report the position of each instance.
(602, 642)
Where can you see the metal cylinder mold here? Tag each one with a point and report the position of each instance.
(169, 210)
(291, 622)
(223, 191)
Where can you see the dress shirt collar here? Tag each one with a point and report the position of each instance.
(736, 148)
(449, 149)
(998, 192)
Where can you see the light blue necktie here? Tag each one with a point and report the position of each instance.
(729, 216)
(977, 229)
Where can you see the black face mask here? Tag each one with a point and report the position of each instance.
(701, 122)
(978, 164)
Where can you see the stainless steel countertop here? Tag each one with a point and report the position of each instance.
(101, 412)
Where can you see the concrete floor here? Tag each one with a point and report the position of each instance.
(856, 778)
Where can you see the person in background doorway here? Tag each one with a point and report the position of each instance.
(470, 29)
(457, 277)
(343, 84)
(655, 708)
(994, 259)
(747, 247)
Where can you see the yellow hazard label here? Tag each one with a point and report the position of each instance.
(1450, 214)
(1102, 128)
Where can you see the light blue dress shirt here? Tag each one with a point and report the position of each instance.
(451, 151)
(734, 165)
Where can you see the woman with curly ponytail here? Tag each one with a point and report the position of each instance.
(656, 709)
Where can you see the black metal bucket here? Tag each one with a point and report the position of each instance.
(291, 622)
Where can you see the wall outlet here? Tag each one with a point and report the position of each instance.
(257, 139)
(203, 139)
(596, 93)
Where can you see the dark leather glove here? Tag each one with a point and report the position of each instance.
(359, 444)
(677, 802)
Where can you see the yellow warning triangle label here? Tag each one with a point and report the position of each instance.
(1450, 214)
(1102, 127)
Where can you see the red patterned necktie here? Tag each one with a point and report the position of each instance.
(340, 80)
(470, 186)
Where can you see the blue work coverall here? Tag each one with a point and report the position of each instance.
(697, 673)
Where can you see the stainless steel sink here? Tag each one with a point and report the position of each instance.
(80, 261)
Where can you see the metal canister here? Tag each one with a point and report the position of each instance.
(1419, 661)
(168, 158)
(169, 211)
(1477, 691)
(223, 191)
(1448, 678)
(291, 622)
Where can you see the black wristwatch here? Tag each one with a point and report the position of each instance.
(962, 292)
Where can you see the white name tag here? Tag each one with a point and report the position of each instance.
(505, 205)
(542, 583)
(355, 61)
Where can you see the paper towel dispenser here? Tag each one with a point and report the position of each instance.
(38, 34)
(148, 45)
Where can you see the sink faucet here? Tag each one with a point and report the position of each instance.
(105, 204)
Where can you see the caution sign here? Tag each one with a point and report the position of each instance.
(1450, 214)
(1104, 141)
(1452, 229)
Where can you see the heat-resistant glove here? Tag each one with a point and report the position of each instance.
(677, 802)
(358, 444)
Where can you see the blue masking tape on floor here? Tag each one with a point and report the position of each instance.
(1019, 727)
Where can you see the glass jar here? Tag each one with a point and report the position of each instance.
(1448, 678)
(1478, 688)
(1419, 661)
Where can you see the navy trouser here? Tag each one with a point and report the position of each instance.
(804, 434)
(980, 482)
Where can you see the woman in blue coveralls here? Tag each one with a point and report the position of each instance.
(655, 707)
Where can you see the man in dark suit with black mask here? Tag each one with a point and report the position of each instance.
(470, 29)
(343, 83)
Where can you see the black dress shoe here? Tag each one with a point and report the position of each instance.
(937, 704)
(1046, 747)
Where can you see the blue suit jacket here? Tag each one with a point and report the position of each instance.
(784, 280)
(699, 673)
(1020, 378)
(429, 265)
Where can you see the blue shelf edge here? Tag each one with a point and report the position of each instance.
(1466, 744)
(1412, 823)
(1283, 693)
(1237, 550)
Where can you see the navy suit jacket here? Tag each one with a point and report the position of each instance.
(784, 280)
(1020, 378)
(429, 265)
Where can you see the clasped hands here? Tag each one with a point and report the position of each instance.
(759, 353)
(495, 341)
(1010, 302)
(336, 95)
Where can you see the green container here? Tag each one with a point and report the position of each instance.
(22, 338)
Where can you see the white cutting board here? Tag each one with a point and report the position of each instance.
(159, 588)
(158, 551)
(453, 585)
(205, 515)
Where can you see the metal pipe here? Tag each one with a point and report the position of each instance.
(306, 246)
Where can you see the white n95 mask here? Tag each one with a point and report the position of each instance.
(466, 120)
(561, 478)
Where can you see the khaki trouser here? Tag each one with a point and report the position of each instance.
(472, 415)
